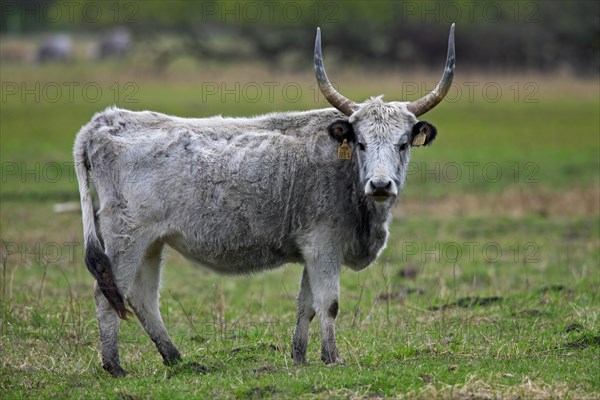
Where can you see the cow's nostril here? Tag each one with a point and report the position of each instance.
(388, 186)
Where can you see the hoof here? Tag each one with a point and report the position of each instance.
(332, 358)
(115, 371)
(170, 362)
(299, 360)
(299, 352)
(170, 354)
(338, 361)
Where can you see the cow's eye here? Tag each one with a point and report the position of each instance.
(361, 146)
(402, 146)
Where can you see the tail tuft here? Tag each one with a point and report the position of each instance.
(99, 266)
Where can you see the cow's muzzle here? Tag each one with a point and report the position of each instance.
(381, 189)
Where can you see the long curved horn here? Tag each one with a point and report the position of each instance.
(426, 103)
(340, 102)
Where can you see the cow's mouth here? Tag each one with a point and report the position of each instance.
(381, 198)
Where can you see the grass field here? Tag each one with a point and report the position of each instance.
(489, 287)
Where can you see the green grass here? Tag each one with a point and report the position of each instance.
(441, 314)
(540, 324)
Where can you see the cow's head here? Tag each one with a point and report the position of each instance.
(382, 133)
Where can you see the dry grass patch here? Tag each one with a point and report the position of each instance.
(514, 202)
(478, 389)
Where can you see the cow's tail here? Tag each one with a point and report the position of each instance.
(96, 260)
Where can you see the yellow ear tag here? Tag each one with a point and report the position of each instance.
(344, 151)
(419, 140)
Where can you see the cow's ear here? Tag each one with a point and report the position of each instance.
(423, 133)
(340, 130)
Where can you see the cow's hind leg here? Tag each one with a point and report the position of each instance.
(306, 313)
(125, 258)
(143, 297)
(108, 322)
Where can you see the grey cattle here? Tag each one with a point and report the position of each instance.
(57, 47)
(115, 44)
(241, 195)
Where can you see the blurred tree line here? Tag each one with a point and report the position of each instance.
(496, 35)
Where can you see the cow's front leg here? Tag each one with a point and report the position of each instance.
(306, 313)
(324, 280)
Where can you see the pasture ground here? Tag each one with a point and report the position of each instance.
(489, 287)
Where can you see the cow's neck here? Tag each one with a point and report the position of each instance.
(370, 227)
(378, 216)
